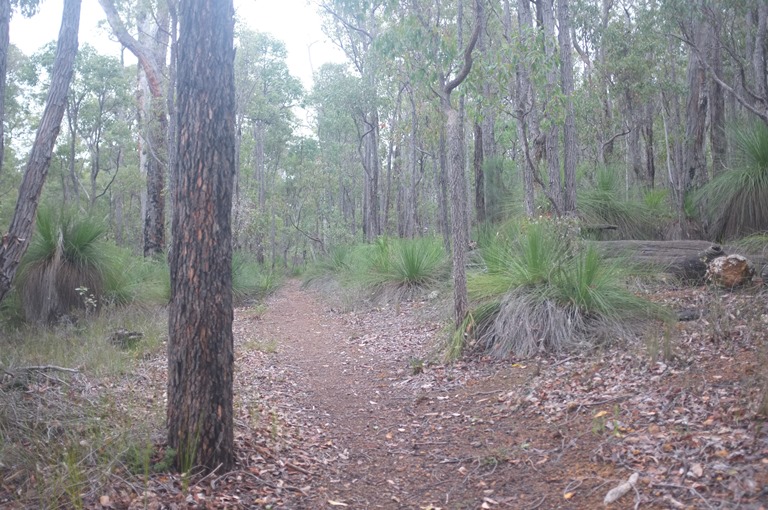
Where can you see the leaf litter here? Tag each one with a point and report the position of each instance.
(354, 409)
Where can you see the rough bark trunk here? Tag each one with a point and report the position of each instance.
(551, 136)
(569, 128)
(200, 346)
(477, 163)
(16, 241)
(717, 138)
(458, 187)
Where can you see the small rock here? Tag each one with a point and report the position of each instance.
(688, 314)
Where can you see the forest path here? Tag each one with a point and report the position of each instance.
(385, 434)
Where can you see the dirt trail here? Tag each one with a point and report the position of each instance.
(376, 425)
(390, 437)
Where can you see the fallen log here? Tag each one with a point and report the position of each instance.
(684, 259)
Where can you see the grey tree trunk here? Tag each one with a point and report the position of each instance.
(569, 128)
(5, 22)
(717, 138)
(16, 241)
(551, 135)
(458, 182)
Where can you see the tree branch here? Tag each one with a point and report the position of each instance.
(464, 72)
(147, 61)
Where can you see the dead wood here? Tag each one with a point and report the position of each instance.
(684, 259)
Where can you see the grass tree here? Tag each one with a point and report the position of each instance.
(66, 267)
(735, 203)
(15, 243)
(542, 291)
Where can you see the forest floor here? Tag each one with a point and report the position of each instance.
(353, 409)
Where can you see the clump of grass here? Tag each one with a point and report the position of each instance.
(754, 243)
(66, 253)
(388, 269)
(542, 291)
(250, 281)
(735, 203)
(606, 203)
(401, 268)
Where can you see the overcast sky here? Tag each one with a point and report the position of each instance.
(294, 22)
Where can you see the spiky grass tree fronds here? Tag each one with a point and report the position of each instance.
(755, 243)
(542, 293)
(605, 203)
(736, 202)
(399, 268)
(65, 267)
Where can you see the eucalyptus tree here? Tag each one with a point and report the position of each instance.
(335, 98)
(355, 26)
(266, 96)
(14, 243)
(104, 120)
(150, 46)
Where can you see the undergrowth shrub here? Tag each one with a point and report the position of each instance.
(251, 281)
(67, 266)
(542, 290)
(388, 269)
(400, 268)
(735, 202)
(607, 203)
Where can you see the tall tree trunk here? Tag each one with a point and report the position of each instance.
(647, 132)
(16, 241)
(200, 345)
(477, 164)
(150, 49)
(717, 138)
(569, 128)
(458, 182)
(551, 136)
(5, 22)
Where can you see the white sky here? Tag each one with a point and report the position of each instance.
(294, 22)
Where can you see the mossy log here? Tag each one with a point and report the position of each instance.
(684, 259)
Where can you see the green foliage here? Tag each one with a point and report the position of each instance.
(66, 253)
(250, 280)
(755, 243)
(403, 265)
(543, 291)
(388, 268)
(735, 203)
(606, 203)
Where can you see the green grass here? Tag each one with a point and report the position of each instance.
(389, 269)
(64, 433)
(250, 281)
(606, 203)
(543, 291)
(735, 203)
